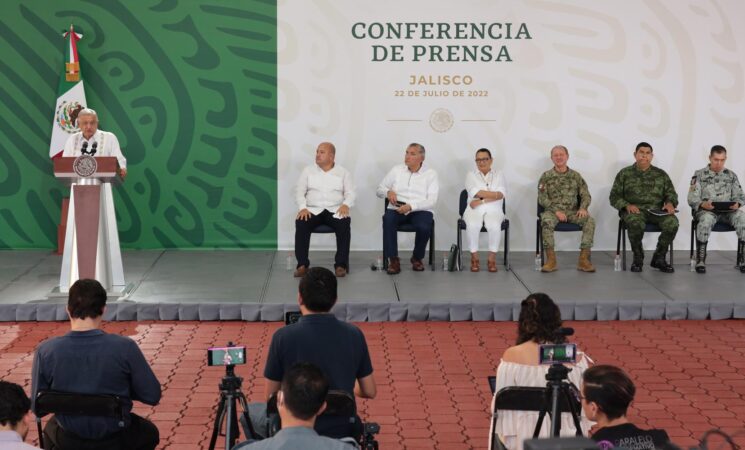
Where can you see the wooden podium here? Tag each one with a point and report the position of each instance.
(91, 238)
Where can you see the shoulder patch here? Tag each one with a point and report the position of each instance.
(693, 180)
(541, 187)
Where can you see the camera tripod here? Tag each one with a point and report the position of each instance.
(558, 386)
(227, 413)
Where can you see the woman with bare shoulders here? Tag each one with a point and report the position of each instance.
(539, 323)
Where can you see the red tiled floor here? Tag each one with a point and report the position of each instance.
(431, 376)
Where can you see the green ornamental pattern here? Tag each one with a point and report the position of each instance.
(190, 90)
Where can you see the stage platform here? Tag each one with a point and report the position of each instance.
(257, 286)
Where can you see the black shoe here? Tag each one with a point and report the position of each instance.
(742, 268)
(636, 267)
(700, 269)
(662, 265)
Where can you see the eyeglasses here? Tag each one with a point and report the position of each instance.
(478, 160)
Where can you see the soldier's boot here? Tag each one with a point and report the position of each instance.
(550, 265)
(741, 250)
(638, 262)
(701, 257)
(659, 262)
(584, 264)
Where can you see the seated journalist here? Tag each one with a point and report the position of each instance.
(14, 411)
(337, 348)
(300, 400)
(606, 394)
(538, 323)
(88, 360)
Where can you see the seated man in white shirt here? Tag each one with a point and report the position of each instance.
(324, 195)
(411, 188)
(92, 141)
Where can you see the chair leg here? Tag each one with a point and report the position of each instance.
(671, 253)
(623, 239)
(693, 232)
(538, 243)
(618, 244)
(507, 248)
(385, 257)
(41, 433)
(432, 247)
(460, 249)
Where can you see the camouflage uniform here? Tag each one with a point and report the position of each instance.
(649, 189)
(707, 185)
(560, 192)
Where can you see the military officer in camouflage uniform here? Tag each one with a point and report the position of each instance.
(716, 184)
(559, 190)
(637, 189)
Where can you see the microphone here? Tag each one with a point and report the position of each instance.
(565, 331)
(93, 148)
(84, 149)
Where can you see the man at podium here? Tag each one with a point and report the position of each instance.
(92, 141)
(92, 239)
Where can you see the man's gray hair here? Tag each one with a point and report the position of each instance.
(88, 112)
(418, 146)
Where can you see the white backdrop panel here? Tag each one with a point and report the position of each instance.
(597, 77)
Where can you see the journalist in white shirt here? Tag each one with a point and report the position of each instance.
(486, 190)
(324, 194)
(92, 141)
(411, 189)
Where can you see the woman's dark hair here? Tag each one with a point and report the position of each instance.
(539, 320)
(610, 388)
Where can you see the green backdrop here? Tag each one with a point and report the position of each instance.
(188, 87)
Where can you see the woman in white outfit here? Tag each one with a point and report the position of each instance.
(486, 189)
(539, 321)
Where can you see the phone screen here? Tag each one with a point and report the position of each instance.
(226, 356)
(557, 353)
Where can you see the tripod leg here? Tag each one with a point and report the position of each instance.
(218, 422)
(555, 412)
(231, 427)
(573, 410)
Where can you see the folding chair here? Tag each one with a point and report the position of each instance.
(648, 228)
(463, 203)
(719, 227)
(325, 229)
(525, 398)
(409, 228)
(561, 226)
(73, 404)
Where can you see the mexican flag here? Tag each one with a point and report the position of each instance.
(70, 96)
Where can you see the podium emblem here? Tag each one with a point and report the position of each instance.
(85, 165)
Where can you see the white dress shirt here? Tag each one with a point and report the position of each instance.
(108, 145)
(417, 189)
(492, 182)
(319, 190)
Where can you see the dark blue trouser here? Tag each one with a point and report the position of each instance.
(303, 229)
(420, 220)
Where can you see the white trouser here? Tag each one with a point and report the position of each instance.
(490, 215)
